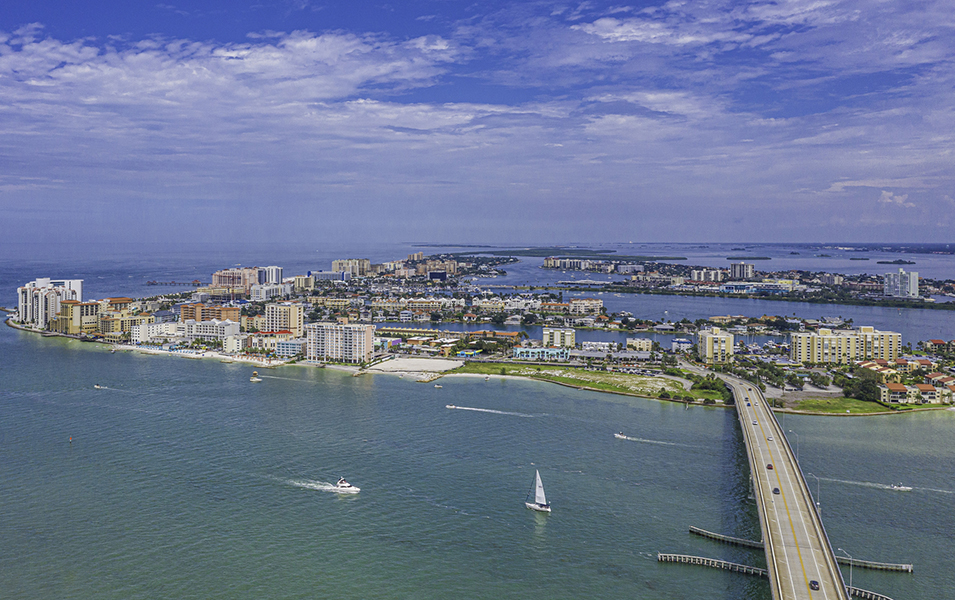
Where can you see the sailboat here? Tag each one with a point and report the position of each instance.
(540, 501)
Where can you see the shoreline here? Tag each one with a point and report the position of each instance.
(881, 413)
(426, 376)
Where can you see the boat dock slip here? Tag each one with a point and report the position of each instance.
(799, 557)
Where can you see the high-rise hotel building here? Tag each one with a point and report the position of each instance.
(39, 300)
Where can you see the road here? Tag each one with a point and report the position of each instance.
(797, 549)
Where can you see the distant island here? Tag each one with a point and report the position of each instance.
(896, 262)
(748, 258)
(862, 258)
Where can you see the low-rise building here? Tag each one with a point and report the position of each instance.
(290, 348)
(542, 354)
(893, 393)
(680, 345)
(598, 346)
(640, 344)
(559, 338)
(235, 344)
(585, 306)
(206, 312)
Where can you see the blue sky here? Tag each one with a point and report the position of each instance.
(534, 122)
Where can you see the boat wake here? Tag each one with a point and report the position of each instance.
(882, 486)
(318, 486)
(488, 410)
(621, 436)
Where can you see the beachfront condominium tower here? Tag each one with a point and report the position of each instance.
(901, 284)
(339, 342)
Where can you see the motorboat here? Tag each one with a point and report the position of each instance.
(900, 488)
(437, 386)
(620, 436)
(540, 503)
(450, 406)
(343, 487)
(99, 387)
(255, 377)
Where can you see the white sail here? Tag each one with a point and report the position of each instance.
(539, 497)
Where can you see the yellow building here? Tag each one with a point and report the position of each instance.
(715, 346)
(827, 346)
(559, 338)
(331, 303)
(640, 344)
(285, 317)
(303, 283)
(76, 317)
(121, 322)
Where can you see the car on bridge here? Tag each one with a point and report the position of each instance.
(776, 491)
(814, 585)
(769, 466)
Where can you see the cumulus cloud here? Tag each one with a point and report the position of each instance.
(686, 108)
(899, 200)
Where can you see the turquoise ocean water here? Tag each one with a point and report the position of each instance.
(184, 480)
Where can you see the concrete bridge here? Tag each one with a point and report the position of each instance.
(800, 562)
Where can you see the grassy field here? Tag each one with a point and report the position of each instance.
(839, 405)
(623, 383)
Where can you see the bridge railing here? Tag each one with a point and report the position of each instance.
(804, 487)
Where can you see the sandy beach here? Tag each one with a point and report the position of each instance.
(421, 369)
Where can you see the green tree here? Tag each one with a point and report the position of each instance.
(867, 390)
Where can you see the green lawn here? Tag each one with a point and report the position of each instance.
(623, 383)
(839, 405)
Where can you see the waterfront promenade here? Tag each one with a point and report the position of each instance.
(797, 549)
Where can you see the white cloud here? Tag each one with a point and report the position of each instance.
(900, 200)
(654, 113)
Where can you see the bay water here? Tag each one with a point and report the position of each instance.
(185, 480)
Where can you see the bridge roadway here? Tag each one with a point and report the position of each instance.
(797, 548)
